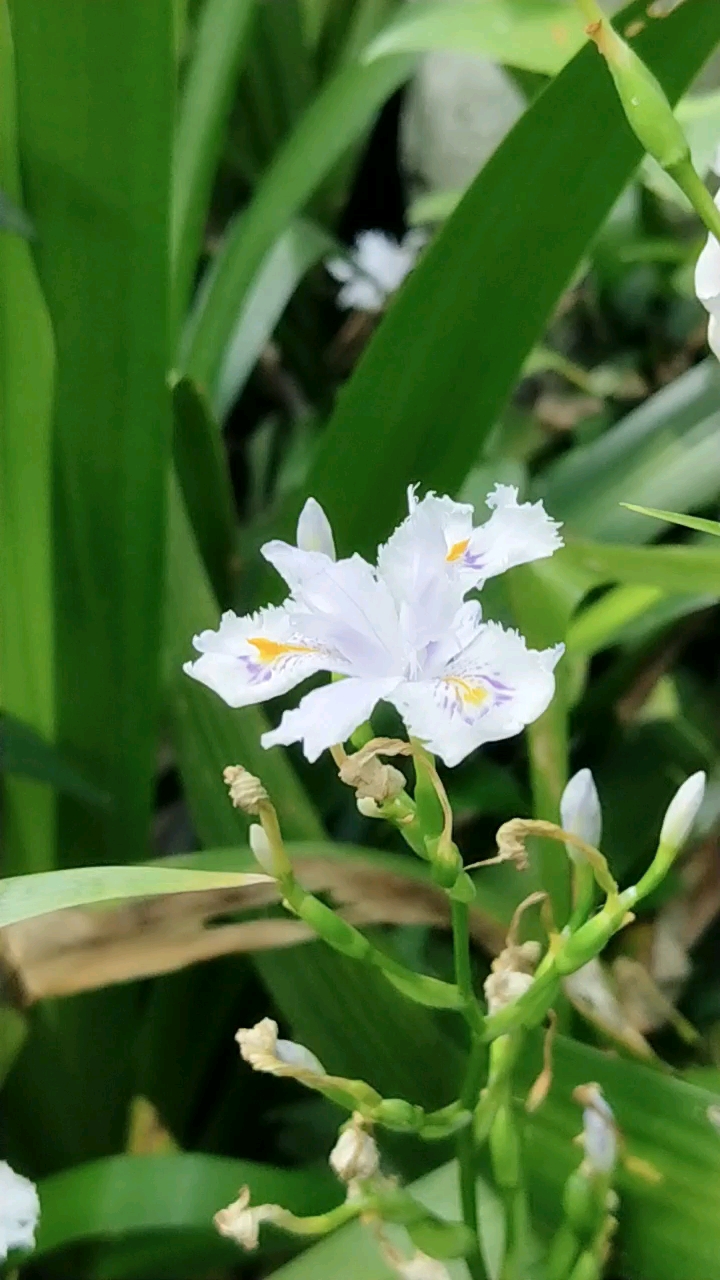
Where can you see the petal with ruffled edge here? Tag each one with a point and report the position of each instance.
(413, 563)
(347, 596)
(329, 715)
(436, 544)
(257, 657)
(489, 691)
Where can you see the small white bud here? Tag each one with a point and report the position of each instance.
(19, 1211)
(313, 530)
(600, 1134)
(368, 807)
(241, 1222)
(682, 811)
(355, 1155)
(262, 848)
(580, 812)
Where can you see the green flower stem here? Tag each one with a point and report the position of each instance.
(345, 938)
(583, 894)
(689, 181)
(503, 1056)
(471, 1084)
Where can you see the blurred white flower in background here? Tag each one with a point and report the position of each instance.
(374, 269)
(401, 631)
(19, 1211)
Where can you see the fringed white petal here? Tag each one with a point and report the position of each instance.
(248, 660)
(329, 715)
(489, 691)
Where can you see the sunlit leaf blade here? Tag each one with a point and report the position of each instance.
(26, 587)
(335, 119)
(126, 1196)
(522, 33)
(24, 752)
(448, 354)
(209, 84)
(23, 897)
(672, 517)
(96, 118)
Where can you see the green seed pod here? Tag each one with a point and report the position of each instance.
(647, 109)
(580, 1202)
(396, 1113)
(505, 1147)
(587, 1267)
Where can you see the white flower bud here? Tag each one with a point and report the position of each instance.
(261, 848)
(580, 812)
(19, 1211)
(313, 530)
(600, 1133)
(368, 807)
(355, 1155)
(241, 1223)
(682, 811)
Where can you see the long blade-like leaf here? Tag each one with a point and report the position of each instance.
(452, 346)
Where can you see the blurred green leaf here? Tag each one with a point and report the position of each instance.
(336, 118)
(207, 93)
(296, 250)
(666, 452)
(27, 370)
(13, 1029)
(23, 751)
(126, 1196)
(672, 517)
(95, 129)
(538, 36)
(676, 570)
(202, 471)
(465, 320)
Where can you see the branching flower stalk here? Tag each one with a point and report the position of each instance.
(403, 631)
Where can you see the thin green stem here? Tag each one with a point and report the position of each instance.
(697, 193)
(471, 1085)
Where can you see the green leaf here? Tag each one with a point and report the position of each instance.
(24, 897)
(210, 82)
(676, 570)
(294, 253)
(663, 453)
(23, 751)
(27, 369)
(202, 471)
(672, 517)
(336, 118)
(462, 323)
(13, 1030)
(126, 1196)
(522, 33)
(95, 128)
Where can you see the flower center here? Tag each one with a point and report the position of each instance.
(472, 694)
(457, 550)
(270, 650)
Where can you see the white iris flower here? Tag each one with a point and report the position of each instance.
(402, 632)
(707, 286)
(375, 268)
